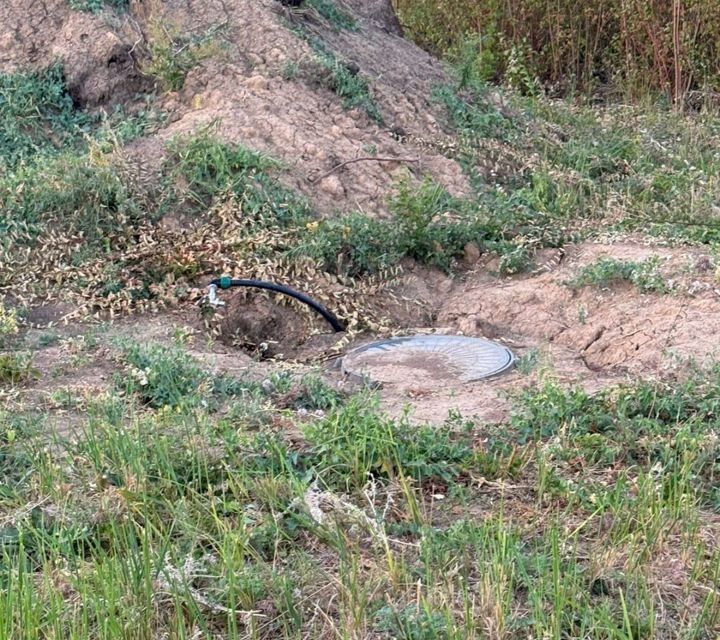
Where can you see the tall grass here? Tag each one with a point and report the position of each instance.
(632, 47)
(583, 517)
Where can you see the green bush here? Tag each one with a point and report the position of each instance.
(163, 376)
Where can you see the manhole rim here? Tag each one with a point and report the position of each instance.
(504, 367)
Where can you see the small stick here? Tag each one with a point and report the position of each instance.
(364, 159)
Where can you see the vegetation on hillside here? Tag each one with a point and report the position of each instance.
(544, 172)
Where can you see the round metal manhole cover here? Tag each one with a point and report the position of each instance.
(428, 359)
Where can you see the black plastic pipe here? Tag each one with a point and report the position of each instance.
(227, 283)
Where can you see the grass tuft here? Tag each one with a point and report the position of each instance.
(338, 18)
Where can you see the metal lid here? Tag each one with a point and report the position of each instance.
(429, 358)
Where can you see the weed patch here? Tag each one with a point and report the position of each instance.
(16, 368)
(651, 425)
(338, 18)
(208, 169)
(644, 275)
(173, 54)
(429, 226)
(356, 442)
(8, 323)
(37, 117)
(349, 85)
(95, 6)
(166, 376)
(199, 515)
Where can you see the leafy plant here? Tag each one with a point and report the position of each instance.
(413, 623)
(37, 117)
(8, 323)
(576, 48)
(173, 54)
(16, 368)
(338, 18)
(163, 376)
(356, 441)
(604, 272)
(315, 393)
(208, 168)
(350, 86)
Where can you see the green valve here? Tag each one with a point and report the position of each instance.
(225, 282)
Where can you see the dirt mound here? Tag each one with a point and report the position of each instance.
(268, 91)
(95, 51)
(594, 336)
(264, 83)
(616, 327)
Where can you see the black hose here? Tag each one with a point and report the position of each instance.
(226, 283)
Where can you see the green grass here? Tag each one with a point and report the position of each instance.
(338, 18)
(583, 516)
(568, 166)
(351, 87)
(173, 53)
(37, 117)
(95, 6)
(605, 272)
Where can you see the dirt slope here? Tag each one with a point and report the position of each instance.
(295, 120)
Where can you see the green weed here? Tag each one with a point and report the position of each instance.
(48, 338)
(8, 323)
(315, 394)
(166, 376)
(173, 54)
(95, 6)
(351, 87)
(37, 117)
(162, 376)
(474, 116)
(208, 168)
(82, 195)
(605, 272)
(338, 18)
(356, 442)
(16, 367)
